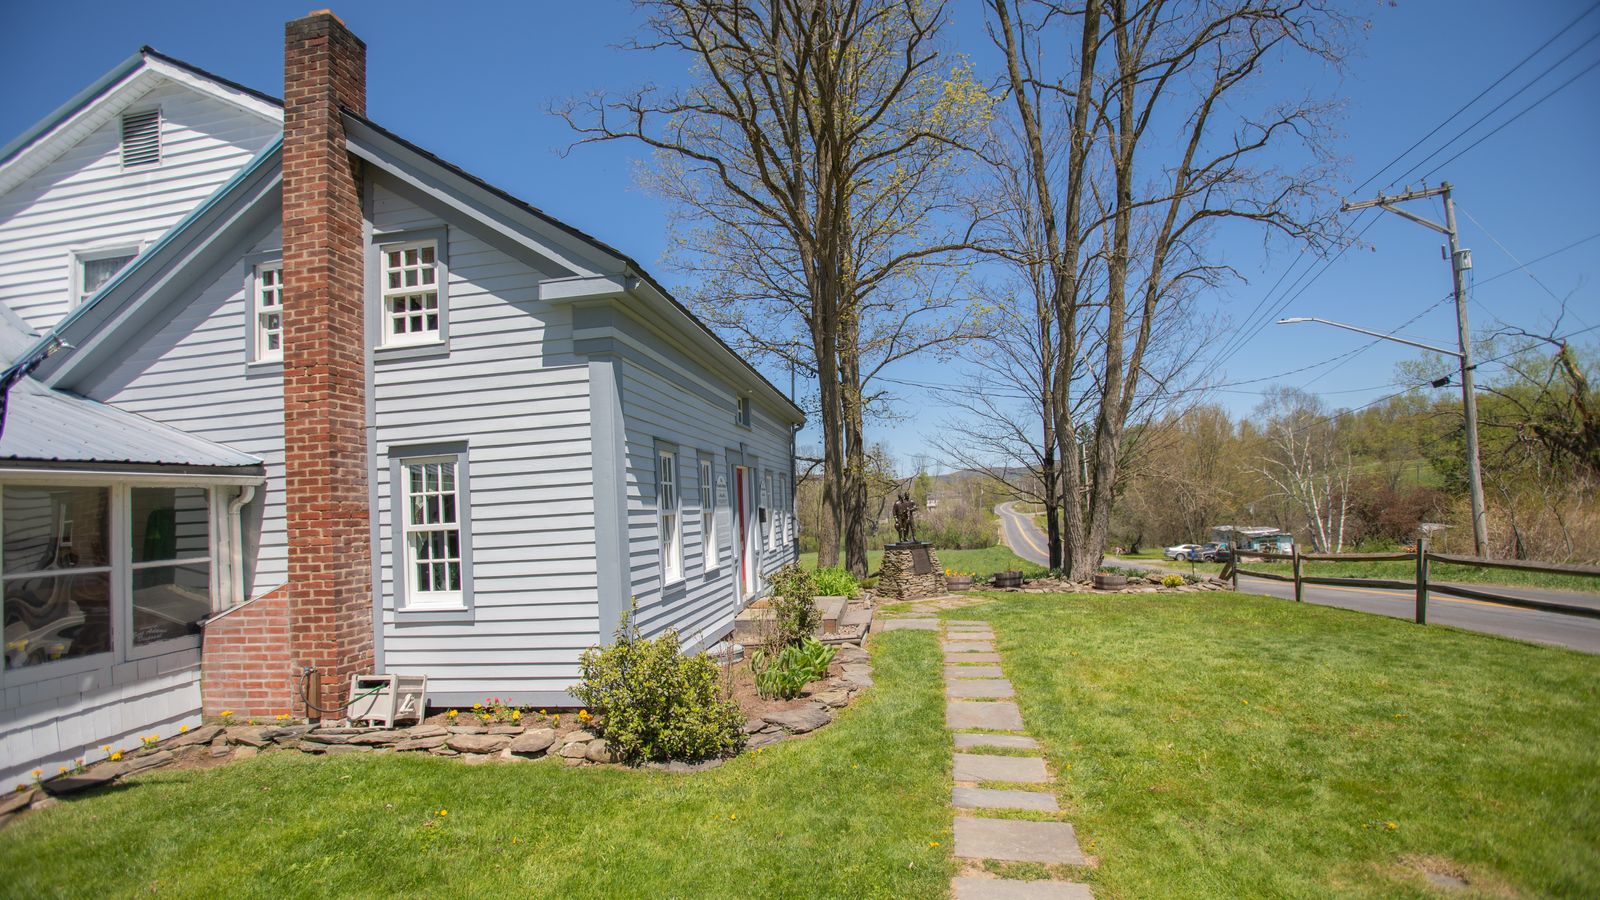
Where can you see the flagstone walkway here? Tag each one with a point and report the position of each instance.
(1006, 809)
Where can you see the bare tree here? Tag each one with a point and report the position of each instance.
(812, 160)
(1304, 458)
(1157, 152)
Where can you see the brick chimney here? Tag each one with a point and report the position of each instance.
(324, 362)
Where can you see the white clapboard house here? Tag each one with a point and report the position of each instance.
(289, 399)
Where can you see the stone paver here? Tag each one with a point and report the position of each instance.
(997, 715)
(957, 658)
(992, 798)
(983, 767)
(968, 647)
(968, 888)
(1009, 741)
(970, 629)
(973, 672)
(957, 623)
(979, 688)
(1017, 841)
(910, 625)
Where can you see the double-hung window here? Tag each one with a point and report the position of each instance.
(431, 521)
(266, 292)
(671, 527)
(708, 517)
(412, 308)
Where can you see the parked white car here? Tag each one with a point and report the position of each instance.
(1181, 551)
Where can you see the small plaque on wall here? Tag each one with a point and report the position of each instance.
(722, 490)
(920, 563)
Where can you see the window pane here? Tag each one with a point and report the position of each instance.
(169, 601)
(96, 272)
(51, 617)
(170, 523)
(55, 528)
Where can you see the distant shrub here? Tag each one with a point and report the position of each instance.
(1172, 580)
(835, 581)
(795, 614)
(655, 703)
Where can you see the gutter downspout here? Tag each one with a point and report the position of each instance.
(247, 493)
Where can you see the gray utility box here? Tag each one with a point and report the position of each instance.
(386, 699)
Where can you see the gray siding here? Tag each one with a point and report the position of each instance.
(84, 199)
(512, 390)
(192, 374)
(675, 401)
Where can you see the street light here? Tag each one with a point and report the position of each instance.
(1469, 404)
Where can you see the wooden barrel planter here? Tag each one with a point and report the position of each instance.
(1008, 579)
(955, 583)
(1105, 581)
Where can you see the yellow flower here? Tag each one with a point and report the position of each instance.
(227, 712)
(37, 772)
(106, 748)
(452, 714)
(444, 812)
(1390, 825)
(63, 769)
(182, 728)
(933, 843)
(116, 755)
(477, 706)
(733, 817)
(516, 714)
(1245, 702)
(583, 714)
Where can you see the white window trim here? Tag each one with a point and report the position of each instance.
(710, 549)
(668, 485)
(405, 557)
(387, 335)
(259, 351)
(91, 254)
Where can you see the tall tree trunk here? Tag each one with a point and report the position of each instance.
(855, 451)
(832, 426)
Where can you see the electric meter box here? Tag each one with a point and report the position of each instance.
(387, 699)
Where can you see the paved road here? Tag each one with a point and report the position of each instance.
(1578, 633)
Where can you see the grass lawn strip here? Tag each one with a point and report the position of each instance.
(1224, 745)
(847, 812)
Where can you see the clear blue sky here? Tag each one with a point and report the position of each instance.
(472, 82)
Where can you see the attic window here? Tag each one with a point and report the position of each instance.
(141, 139)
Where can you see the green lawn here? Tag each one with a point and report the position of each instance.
(850, 812)
(984, 562)
(1222, 745)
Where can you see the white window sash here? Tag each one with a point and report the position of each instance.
(670, 524)
(268, 282)
(416, 597)
(424, 309)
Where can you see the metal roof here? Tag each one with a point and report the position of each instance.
(43, 425)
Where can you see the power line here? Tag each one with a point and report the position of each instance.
(1502, 105)
(1527, 109)
(1481, 94)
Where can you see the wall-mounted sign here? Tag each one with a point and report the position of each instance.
(722, 490)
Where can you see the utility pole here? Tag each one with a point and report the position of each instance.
(1460, 262)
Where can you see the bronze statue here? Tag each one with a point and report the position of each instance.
(905, 518)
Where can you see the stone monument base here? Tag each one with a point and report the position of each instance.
(910, 571)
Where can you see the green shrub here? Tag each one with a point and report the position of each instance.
(1172, 580)
(795, 616)
(835, 581)
(784, 675)
(656, 704)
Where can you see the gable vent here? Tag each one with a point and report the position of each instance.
(141, 139)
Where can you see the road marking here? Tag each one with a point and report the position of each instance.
(1024, 528)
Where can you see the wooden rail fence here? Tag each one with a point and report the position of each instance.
(1422, 585)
